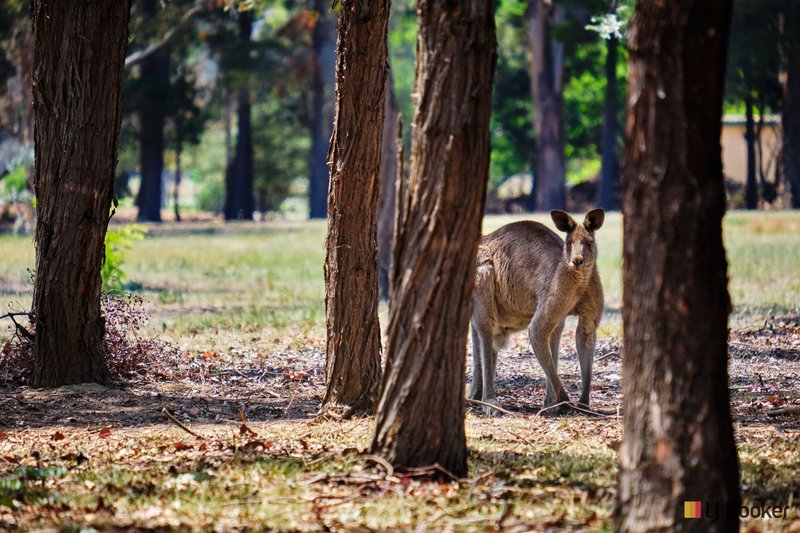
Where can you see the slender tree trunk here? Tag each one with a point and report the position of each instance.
(420, 418)
(240, 199)
(320, 116)
(387, 199)
(351, 267)
(155, 74)
(609, 181)
(79, 58)
(751, 185)
(547, 73)
(178, 177)
(790, 111)
(678, 441)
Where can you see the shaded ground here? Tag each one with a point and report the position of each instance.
(108, 458)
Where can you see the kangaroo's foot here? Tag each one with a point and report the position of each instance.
(558, 407)
(475, 390)
(488, 410)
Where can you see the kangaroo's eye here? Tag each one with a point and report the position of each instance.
(587, 242)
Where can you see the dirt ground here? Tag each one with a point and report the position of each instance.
(233, 400)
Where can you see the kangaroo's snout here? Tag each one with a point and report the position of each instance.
(577, 260)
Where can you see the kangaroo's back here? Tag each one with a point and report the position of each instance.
(516, 264)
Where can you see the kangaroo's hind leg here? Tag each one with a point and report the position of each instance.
(585, 338)
(476, 387)
(555, 343)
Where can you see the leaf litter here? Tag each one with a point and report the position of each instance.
(255, 457)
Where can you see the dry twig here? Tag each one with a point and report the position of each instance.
(180, 425)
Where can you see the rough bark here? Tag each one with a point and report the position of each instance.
(420, 418)
(678, 439)
(155, 73)
(79, 58)
(547, 73)
(387, 197)
(609, 180)
(321, 87)
(351, 263)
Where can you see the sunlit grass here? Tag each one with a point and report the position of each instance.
(245, 277)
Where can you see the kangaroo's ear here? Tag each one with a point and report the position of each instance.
(594, 219)
(563, 221)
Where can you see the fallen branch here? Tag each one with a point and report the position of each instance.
(429, 470)
(495, 407)
(20, 328)
(381, 461)
(788, 410)
(177, 423)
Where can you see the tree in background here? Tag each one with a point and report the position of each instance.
(608, 196)
(678, 440)
(323, 47)
(789, 26)
(420, 419)
(388, 197)
(547, 84)
(79, 58)
(153, 83)
(16, 65)
(239, 193)
(353, 356)
(753, 81)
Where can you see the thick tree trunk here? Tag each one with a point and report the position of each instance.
(155, 74)
(790, 111)
(324, 61)
(547, 72)
(79, 58)
(609, 181)
(678, 441)
(387, 198)
(420, 418)
(351, 268)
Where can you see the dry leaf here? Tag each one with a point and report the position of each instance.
(104, 433)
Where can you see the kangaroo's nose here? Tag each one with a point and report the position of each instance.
(577, 261)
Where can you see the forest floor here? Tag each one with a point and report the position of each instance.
(242, 308)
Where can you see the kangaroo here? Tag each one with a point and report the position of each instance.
(527, 277)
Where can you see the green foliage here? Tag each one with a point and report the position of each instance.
(14, 183)
(118, 243)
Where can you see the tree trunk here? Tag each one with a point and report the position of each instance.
(155, 73)
(351, 267)
(420, 418)
(751, 185)
(609, 181)
(79, 58)
(324, 62)
(678, 441)
(790, 111)
(240, 199)
(547, 73)
(178, 176)
(387, 195)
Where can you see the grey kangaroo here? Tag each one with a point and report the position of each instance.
(527, 277)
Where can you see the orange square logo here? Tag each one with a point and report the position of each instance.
(692, 509)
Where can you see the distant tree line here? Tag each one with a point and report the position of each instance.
(240, 97)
